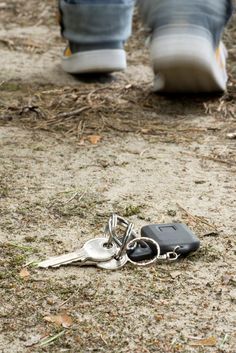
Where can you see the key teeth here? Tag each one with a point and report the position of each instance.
(41, 265)
(44, 264)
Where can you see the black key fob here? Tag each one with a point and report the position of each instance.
(168, 236)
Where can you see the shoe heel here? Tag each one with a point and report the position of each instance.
(185, 62)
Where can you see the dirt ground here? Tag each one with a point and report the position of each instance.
(74, 150)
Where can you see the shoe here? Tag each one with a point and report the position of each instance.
(94, 58)
(184, 60)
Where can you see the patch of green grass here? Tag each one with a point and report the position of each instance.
(10, 86)
(132, 210)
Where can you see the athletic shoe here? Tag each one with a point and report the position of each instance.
(94, 58)
(185, 60)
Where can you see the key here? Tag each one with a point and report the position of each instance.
(118, 262)
(93, 250)
(113, 264)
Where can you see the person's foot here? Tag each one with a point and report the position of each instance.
(94, 58)
(184, 60)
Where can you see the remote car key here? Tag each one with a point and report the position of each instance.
(168, 236)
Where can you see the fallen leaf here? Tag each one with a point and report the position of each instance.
(94, 139)
(63, 320)
(159, 317)
(210, 342)
(24, 273)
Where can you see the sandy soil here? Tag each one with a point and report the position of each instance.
(156, 159)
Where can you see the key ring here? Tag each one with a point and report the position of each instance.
(171, 255)
(147, 240)
(110, 229)
(128, 233)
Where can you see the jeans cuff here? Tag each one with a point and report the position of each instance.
(96, 23)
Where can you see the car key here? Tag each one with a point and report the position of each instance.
(169, 237)
(113, 264)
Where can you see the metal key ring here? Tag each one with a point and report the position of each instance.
(147, 240)
(125, 240)
(110, 229)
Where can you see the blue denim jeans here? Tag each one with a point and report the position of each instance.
(97, 21)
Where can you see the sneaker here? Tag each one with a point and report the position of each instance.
(184, 60)
(94, 58)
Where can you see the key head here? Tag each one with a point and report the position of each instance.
(96, 250)
(113, 264)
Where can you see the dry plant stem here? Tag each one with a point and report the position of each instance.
(71, 113)
(196, 219)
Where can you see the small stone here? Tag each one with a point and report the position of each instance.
(233, 295)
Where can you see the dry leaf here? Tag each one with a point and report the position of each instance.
(94, 139)
(210, 342)
(24, 273)
(159, 317)
(63, 320)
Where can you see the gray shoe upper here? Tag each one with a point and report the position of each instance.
(211, 15)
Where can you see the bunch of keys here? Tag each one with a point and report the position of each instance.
(113, 251)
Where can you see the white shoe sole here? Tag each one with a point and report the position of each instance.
(186, 63)
(105, 60)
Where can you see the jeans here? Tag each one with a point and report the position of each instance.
(100, 21)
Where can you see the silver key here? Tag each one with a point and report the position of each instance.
(93, 250)
(112, 264)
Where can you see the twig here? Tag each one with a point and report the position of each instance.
(71, 113)
(92, 92)
(74, 196)
(142, 152)
(67, 300)
(219, 160)
(47, 341)
(103, 339)
(196, 219)
(225, 339)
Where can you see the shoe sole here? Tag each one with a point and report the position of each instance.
(105, 60)
(186, 63)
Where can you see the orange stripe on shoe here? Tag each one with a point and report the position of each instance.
(219, 58)
(67, 52)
